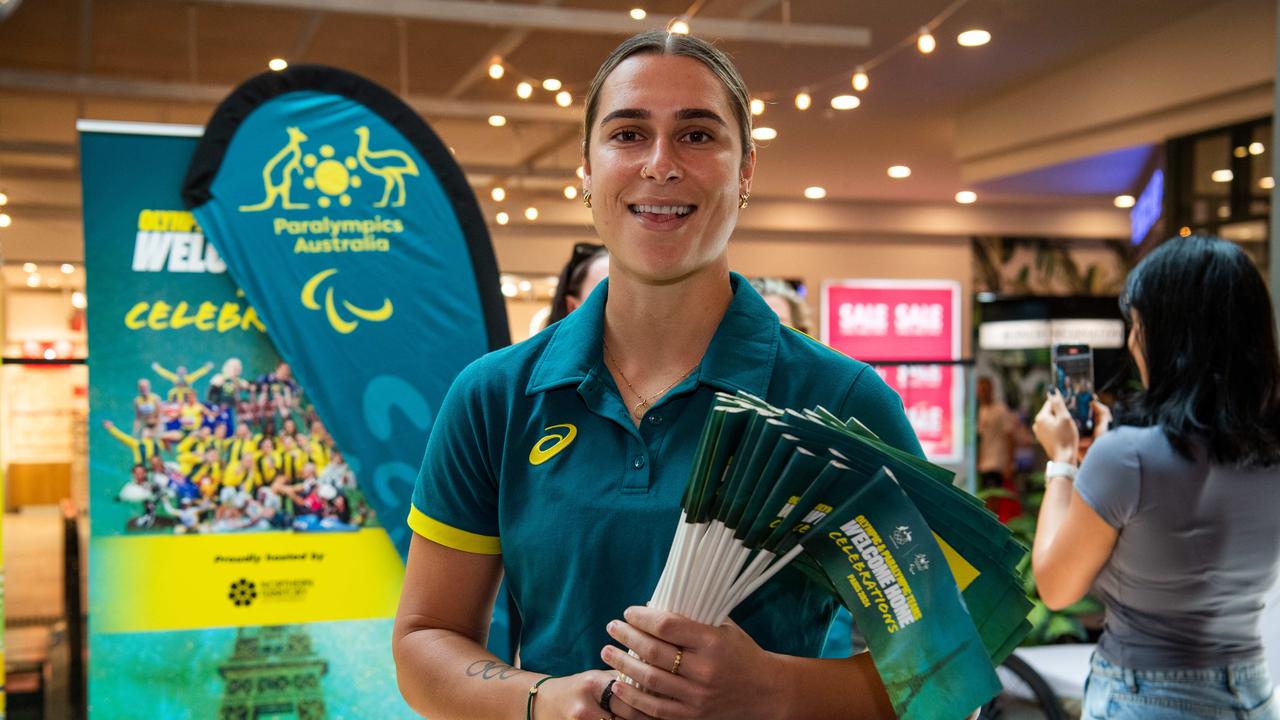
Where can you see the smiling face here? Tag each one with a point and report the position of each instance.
(665, 168)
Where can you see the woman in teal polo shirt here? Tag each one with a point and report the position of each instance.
(560, 461)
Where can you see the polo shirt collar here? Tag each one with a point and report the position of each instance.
(740, 357)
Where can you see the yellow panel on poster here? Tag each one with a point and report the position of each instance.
(961, 570)
(198, 581)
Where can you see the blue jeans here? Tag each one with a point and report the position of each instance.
(1236, 692)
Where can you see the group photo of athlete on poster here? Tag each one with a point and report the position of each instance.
(251, 455)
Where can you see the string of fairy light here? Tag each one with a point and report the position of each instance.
(842, 90)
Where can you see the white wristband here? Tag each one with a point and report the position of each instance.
(1060, 469)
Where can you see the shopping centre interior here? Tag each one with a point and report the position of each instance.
(1028, 167)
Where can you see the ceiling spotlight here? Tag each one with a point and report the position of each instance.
(67, 268)
(498, 194)
(509, 289)
(845, 102)
(5, 220)
(531, 213)
(564, 99)
(1124, 202)
(1267, 183)
(525, 286)
(638, 14)
(763, 133)
(33, 280)
(496, 71)
(925, 42)
(860, 79)
(898, 172)
(966, 197)
(502, 218)
(551, 85)
(757, 106)
(78, 300)
(50, 354)
(524, 91)
(1240, 151)
(570, 192)
(277, 64)
(815, 192)
(974, 38)
(579, 172)
(4, 199)
(1222, 176)
(803, 101)
(680, 27)
(1255, 148)
(497, 120)
(29, 267)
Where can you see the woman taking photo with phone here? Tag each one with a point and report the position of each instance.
(560, 461)
(1175, 522)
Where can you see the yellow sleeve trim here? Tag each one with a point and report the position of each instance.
(452, 537)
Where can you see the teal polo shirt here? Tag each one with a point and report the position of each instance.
(533, 455)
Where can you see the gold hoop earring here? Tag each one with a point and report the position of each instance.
(742, 199)
(586, 198)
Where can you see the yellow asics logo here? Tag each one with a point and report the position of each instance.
(339, 323)
(559, 441)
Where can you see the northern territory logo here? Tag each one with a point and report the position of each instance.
(549, 445)
(336, 320)
(329, 177)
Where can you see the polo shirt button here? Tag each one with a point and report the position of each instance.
(638, 463)
(655, 419)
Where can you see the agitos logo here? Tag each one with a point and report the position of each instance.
(242, 593)
(341, 324)
(542, 452)
(328, 177)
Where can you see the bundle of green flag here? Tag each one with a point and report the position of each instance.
(928, 573)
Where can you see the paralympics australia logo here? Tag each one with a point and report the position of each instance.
(328, 178)
(550, 445)
(243, 593)
(344, 325)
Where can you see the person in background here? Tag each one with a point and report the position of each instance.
(1174, 522)
(587, 266)
(785, 301)
(996, 447)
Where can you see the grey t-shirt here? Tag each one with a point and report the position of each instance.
(1199, 547)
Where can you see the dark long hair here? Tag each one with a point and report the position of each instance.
(1209, 341)
(571, 277)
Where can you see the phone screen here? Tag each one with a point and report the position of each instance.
(1073, 376)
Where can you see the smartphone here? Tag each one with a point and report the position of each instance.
(1073, 376)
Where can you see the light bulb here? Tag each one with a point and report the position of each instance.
(680, 27)
(67, 268)
(50, 354)
(564, 99)
(502, 218)
(4, 199)
(815, 192)
(898, 172)
(33, 280)
(5, 220)
(966, 197)
(763, 133)
(757, 106)
(845, 102)
(29, 267)
(580, 173)
(925, 42)
(1267, 183)
(551, 84)
(524, 91)
(531, 213)
(277, 64)
(570, 192)
(1255, 148)
(497, 120)
(1124, 202)
(973, 38)
(638, 14)
(498, 194)
(860, 79)
(803, 101)
(496, 71)
(78, 300)
(1221, 176)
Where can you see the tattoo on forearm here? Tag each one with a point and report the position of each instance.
(490, 670)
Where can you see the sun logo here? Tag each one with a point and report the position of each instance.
(340, 323)
(331, 176)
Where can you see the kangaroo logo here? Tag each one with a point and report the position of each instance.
(340, 323)
(329, 176)
(541, 452)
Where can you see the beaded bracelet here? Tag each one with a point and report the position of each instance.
(533, 692)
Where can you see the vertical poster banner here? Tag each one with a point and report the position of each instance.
(911, 322)
(355, 234)
(237, 569)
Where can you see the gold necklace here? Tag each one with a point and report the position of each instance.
(645, 403)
